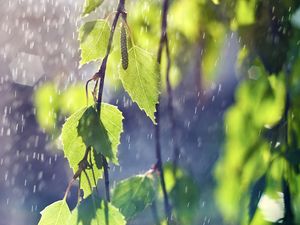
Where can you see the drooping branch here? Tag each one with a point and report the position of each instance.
(101, 74)
(163, 40)
(102, 71)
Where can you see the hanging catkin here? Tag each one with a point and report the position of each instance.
(124, 52)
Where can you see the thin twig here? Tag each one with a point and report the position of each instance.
(176, 150)
(82, 165)
(93, 173)
(68, 188)
(106, 178)
(101, 72)
(78, 191)
(88, 180)
(157, 116)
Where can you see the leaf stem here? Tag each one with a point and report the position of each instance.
(69, 188)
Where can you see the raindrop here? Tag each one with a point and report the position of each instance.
(6, 176)
(40, 175)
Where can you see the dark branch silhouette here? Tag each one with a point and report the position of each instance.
(162, 43)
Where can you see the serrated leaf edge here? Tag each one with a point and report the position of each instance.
(83, 14)
(115, 160)
(127, 179)
(80, 49)
(63, 201)
(158, 92)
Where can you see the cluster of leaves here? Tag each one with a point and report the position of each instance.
(258, 173)
(131, 196)
(85, 132)
(84, 129)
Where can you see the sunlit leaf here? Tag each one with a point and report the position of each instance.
(74, 150)
(112, 71)
(92, 211)
(58, 213)
(111, 118)
(133, 195)
(90, 6)
(104, 134)
(93, 133)
(141, 80)
(82, 129)
(93, 38)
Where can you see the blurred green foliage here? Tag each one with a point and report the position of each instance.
(184, 194)
(133, 195)
(259, 106)
(261, 150)
(260, 162)
(53, 105)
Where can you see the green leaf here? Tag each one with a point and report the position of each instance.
(74, 149)
(104, 134)
(111, 118)
(133, 195)
(83, 129)
(92, 211)
(58, 213)
(141, 80)
(90, 6)
(93, 133)
(93, 38)
(256, 193)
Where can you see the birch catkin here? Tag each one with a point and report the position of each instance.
(124, 50)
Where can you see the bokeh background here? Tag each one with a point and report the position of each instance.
(213, 47)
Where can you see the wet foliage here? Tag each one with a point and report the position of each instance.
(224, 94)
